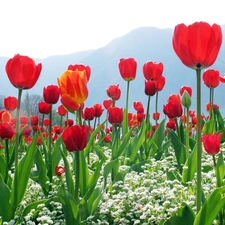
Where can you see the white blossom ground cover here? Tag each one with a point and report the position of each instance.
(147, 197)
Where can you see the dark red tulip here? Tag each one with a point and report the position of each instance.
(98, 110)
(198, 44)
(115, 115)
(59, 170)
(10, 103)
(75, 137)
(44, 108)
(22, 71)
(6, 130)
(128, 68)
(150, 87)
(69, 122)
(89, 113)
(51, 94)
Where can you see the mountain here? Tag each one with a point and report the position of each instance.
(143, 44)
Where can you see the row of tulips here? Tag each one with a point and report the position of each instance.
(132, 137)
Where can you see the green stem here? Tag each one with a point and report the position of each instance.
(147, 114)
(50, 145)
(199, 143)
(156, 107)
(17, 126)
(77, 179)
(7, 158)
(187, 134)
(126, 110)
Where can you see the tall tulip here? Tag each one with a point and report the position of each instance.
(10, 103)
(81, 67)
(197, 46)
(128, 70)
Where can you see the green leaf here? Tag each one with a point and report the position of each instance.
(209, 126)
(3, 167)
(136, 142)
(108, 169)
(91, 139)
(6, 211)
(220, 170)
(211, 208)
(40, 175)
(70, 207)
(69, 176)
(179, 147)
(190, 166)
(22, 174)
(56, 156)
(184, 216)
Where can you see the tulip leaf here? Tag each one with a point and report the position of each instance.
(22, 174)
(91, 139)
(5, 206)
(211, 208)
(136, 142)
(179, 147)
(184, 216)
(40, 174)
(220, 170)
(69, 176)
(190, 166)
(3, 167)
(56, 156)
(70, 207)
(108, 169)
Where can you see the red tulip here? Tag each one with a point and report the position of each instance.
(61, 110)
(75, 137)
(150, 87)
(22, 71)
(186, 88)
(69, 122)
(211, 143)
(89, 113)
(115, 115)
(107, 138)
(173, 108)
(128, 68)
(51, 94)
(6, 130)
(198, 44)
(156, 116)
(138, 106)
(107, 103)
(5, 116)
(81, 67)
(160, 83)
(10, 103)
(211, 78)
(114, 92)
(23, 120)
(34, 120)
(152, 70)
(46, 122)
(43, 108)
(171, 124)
(98, 110)
(59, 170)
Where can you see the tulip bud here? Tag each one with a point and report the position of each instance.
(186, 99)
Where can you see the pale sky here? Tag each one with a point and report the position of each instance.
(41, 28)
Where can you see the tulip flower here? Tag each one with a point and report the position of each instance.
(81, 67)
(51, 94)
(197, 46)
(5, 116)
(108, 103)
(22, 71)
(73, 87)
(128, 68)
(75, 137)
(138, 106)
(211, 143)
(43, 108)
(89, 113)
(10, 103)
(61, 110)
(114, 92)
(6, 130)
(59, 170)
(152, 70)
(115, 115)
(186, 88)
(34, 120)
